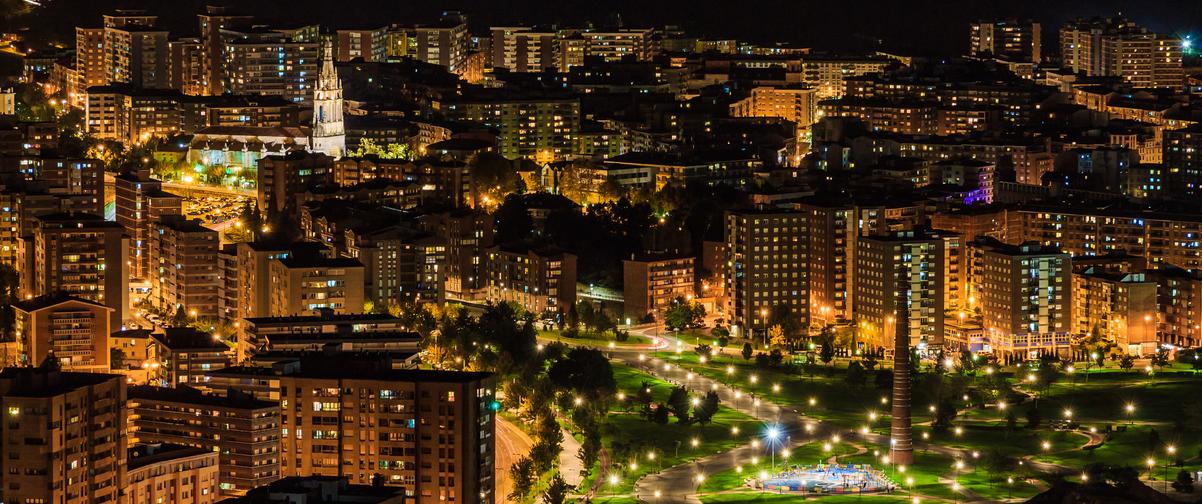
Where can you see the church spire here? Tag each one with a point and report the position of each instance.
(329, 130)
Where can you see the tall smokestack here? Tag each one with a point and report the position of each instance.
(900, 434)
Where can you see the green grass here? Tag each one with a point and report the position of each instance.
(1096, 399)
(835, 400)
(626, 432)
(596, 340)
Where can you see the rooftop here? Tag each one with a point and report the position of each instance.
(333, 368)
(49, 300)
(330, 318)
(142, 455)
(187, 338)
(189, 395)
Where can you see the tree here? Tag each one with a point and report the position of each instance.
(1033, 417)
(522, 474)
(776, 336)
(1192, 357)
(493, 175)
(1126, 362)
(855, 374)
(590, 450)
(660, 416)
(681, 314)
(586, 371)
(827, 353)
(996, 463)
(945, 413)
(513, 220)
(1011, 421)
(1184, 482)
(783, 316)
(883, 379)
(678, 402)
(643, 396)
(747, 351)
(1160, 359)
(557, 490)
(369, 147)
(709, 406)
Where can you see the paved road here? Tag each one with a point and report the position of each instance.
(512, 444)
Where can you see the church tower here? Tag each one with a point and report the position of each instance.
(329, 131)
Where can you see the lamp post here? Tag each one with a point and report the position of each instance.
(764, 324)
(772, 435)
(1172, 450)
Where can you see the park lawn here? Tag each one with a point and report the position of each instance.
(601, 341)
(925, 471)
(1132, 447)
(1105, 399)
(671, 442)
(995, 487)
(985, 438)
(836, 401)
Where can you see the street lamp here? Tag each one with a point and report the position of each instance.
(772, 437)
(1172, 451)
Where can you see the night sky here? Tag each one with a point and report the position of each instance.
(922, 25)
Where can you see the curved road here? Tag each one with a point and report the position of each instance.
(512, 444)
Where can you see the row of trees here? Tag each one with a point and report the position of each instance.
(542, 386)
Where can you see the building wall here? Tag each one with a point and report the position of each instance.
(766, 269)
(73, 445)
(245, 438)
(897, 274)
(651, 285)
(76, 332)
(434, 438)
(189, 479)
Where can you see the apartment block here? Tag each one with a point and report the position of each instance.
(542, 279)
(183, 266)
(766, 270)
(140, 202)
(1121, 307)
(899, 280)
(82, 255)
(431, 432)
(305, 285)
(185, 354)
(244, 432)
(1024, 294)
(74, 331)
(1008, 39)
(71, 428)
(652, 281)
(1120, 48)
